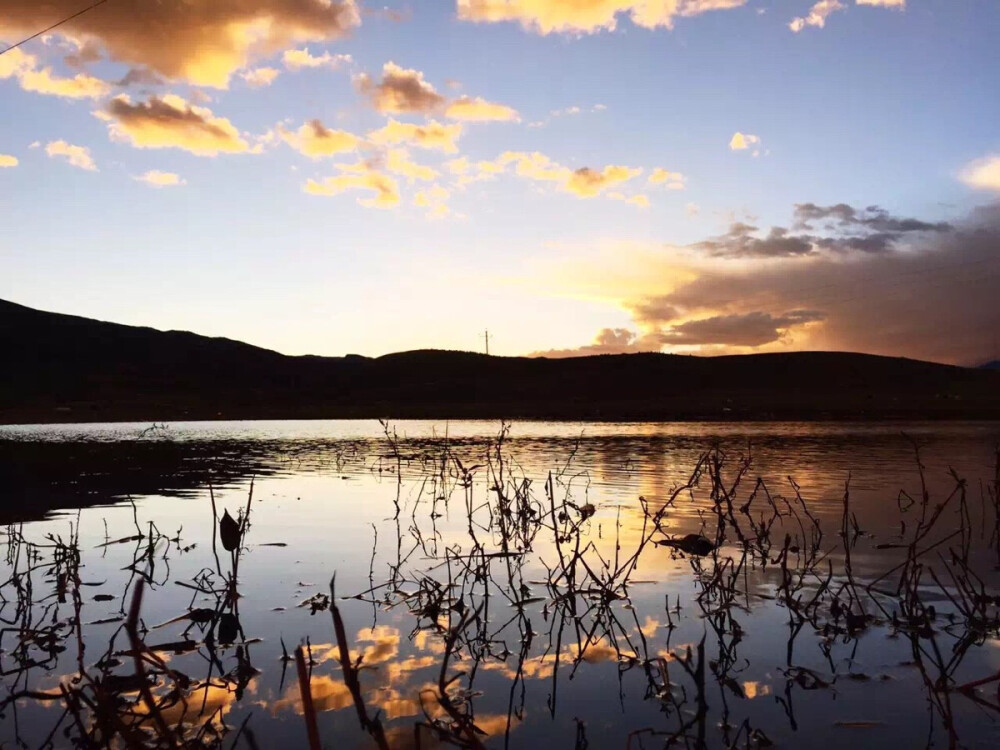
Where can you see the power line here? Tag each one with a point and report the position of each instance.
(53, 26)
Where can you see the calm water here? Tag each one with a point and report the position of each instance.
(464, 600)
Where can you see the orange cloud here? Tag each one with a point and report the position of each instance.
(398, 161)
(400, 90)
(584, 182)
(201, 701)
(202, 43)
(479, 110)
(642, 201)
(15, 62)
(468, 172)
(77, 156)
(171, 122)
(384, 648)
(8, 161)
(431, 135)
(586, 16)
(753, 689)
(80, 86)
(360, 176)
(433, 199)
(672, 180)
(315, 140)
(744, 141)
(156, 178)
(24, 67)
(535, 166)
(328, 694)
(587, 182)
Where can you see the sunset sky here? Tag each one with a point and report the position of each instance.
(577, 176)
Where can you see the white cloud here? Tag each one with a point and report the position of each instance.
(817, 15)
(78, 156)
(983, 174)
(260, 77)
(297, 59)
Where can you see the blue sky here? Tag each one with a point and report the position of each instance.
(890, 107)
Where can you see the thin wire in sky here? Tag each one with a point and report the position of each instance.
(53, 26)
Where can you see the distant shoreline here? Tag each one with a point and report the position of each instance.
(820, 416)
(67, 369)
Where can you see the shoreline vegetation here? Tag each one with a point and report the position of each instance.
(65, 369)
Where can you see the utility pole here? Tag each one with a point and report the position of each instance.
(487, 337)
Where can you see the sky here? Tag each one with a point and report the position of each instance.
(576, 176)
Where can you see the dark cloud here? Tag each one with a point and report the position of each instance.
(740, 241)
(87, 53)
(400, 90)
(873, 218)
(748, 329)
(806, 212)
(139, 77)
(844, 229)
(936, 300)
(877, 242)
(655, 309)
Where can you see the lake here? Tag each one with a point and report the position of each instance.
(575, 584)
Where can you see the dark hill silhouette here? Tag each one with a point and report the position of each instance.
(994, 365)
(66, 368)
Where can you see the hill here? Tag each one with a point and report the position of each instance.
(62, 368)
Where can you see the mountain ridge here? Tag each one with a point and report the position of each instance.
(70, 368)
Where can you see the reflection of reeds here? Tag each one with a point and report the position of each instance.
(586, 592)
(152, 705)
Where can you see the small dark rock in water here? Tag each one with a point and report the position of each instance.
(229, 532)
(228, 627)
(201, 615)
(693, 544)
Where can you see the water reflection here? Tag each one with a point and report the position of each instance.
(508, 590)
